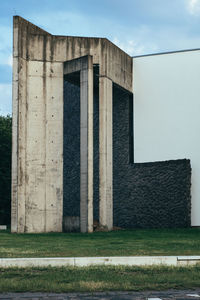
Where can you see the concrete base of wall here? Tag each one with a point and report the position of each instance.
(3, 227)
(90, 261)
(71, 224)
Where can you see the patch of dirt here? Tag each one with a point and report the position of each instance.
(97, 227)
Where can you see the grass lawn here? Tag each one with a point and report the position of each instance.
(93, 279)
(115, 243)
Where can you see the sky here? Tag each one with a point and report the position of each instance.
(137, 26)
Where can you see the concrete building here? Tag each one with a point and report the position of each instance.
(167, 97)
(76, 157)
(40, 62)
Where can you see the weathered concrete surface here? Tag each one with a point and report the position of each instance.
(105, 153)
(37, 158)
(38, 45)
(37, 142)
(91, 261)
(44, 147)
(3, 227)
(39, 187)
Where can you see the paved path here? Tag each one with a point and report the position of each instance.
(162, 295)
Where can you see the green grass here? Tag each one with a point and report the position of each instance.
(92, 279)
(115, 243)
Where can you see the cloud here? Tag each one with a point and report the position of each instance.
(9, 61)
(5, 74)
(5, 99)
(194, 7)
(134, 47)
(5, 44)
(66, 22)
(131, 47)
(5, 70)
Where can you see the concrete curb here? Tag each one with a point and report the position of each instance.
(3, 227)
(91, 261)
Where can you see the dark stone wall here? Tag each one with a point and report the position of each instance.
(96, 154)
(71, 150)
(146, 195)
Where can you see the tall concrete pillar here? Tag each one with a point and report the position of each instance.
(105, 153)
(37, 153)
(84, 65)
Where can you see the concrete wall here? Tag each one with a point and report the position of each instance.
(166, 112)
(37, 155)
(37, 119)
(146, 195)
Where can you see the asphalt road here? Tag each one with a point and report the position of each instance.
(151, 295)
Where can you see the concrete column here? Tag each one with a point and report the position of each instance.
(105, 154)
(15, 109)
(54, 147)
(86, 147)
(85, 66)
(38, 164)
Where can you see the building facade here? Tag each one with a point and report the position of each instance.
(76, 153)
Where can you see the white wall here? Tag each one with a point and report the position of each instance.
(167, 112)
